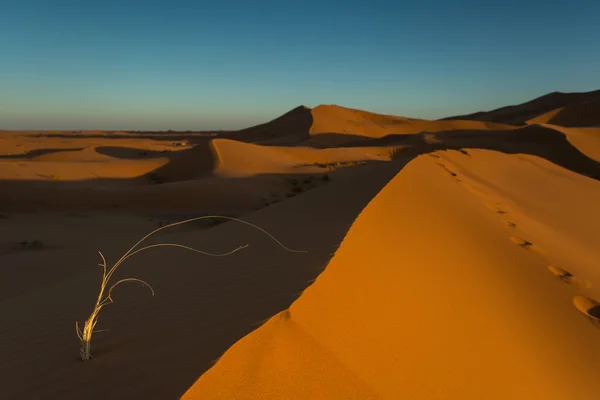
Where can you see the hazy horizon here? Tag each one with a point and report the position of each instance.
(158, 65)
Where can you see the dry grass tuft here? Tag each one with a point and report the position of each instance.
(105, 296)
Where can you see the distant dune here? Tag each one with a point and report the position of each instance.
(576, 115)
(291, 127)
(520, 114)
(239, 159)
(332, 126)
(341, 120)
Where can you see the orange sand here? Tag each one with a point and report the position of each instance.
(453, 259)
(430, 299)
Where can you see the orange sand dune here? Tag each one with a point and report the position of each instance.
(586, 140)
(238, 159)
(77, 165)
(291, 127)
(331, 126)
(83, 156)
(521, 113)
(122, 174)
(580, 114)
(446, 286)
(341, 120)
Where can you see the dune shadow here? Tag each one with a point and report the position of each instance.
(38, 152)
(251, 292)
(129, 153)
(193, 163)
(534, 140)
(290, 128)
(191, 137)
(203, 305)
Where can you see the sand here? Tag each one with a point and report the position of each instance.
(428, 296)
(576, 115)
(520, 114)
(451, 259)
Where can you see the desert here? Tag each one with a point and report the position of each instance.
(408, 252)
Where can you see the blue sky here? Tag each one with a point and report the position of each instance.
(231, 64)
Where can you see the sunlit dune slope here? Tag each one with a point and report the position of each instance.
(238, 159)
(79, 164)
(332, 125)
(577, 115)
(460, 280)
(342, 120)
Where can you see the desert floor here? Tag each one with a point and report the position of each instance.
(449, 259)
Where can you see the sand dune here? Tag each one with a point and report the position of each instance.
(112, 176)
(576, 115)
(341, 120)
(586, 140)
(521, 113)
(432, 299)
(86, 156)
(292, 127)
(333, 126)
(238, 159)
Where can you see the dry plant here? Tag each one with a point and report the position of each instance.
(85, 334)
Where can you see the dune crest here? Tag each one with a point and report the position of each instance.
(430, 299)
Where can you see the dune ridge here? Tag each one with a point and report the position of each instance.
(404, 307)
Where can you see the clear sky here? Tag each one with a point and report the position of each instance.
(146, 64)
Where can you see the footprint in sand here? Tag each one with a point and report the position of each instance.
(447, 170)
(569, 278)
(496, 209)
(527, 245)
(510, 224)
(589, 307)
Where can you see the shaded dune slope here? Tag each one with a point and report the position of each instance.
(586, 140)
(574, 149)
(189, 164)
(291, 127)
(521, 113)
(576, 115)
(433, 294)
(203, 305)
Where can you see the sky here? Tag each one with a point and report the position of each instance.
(196, 65)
